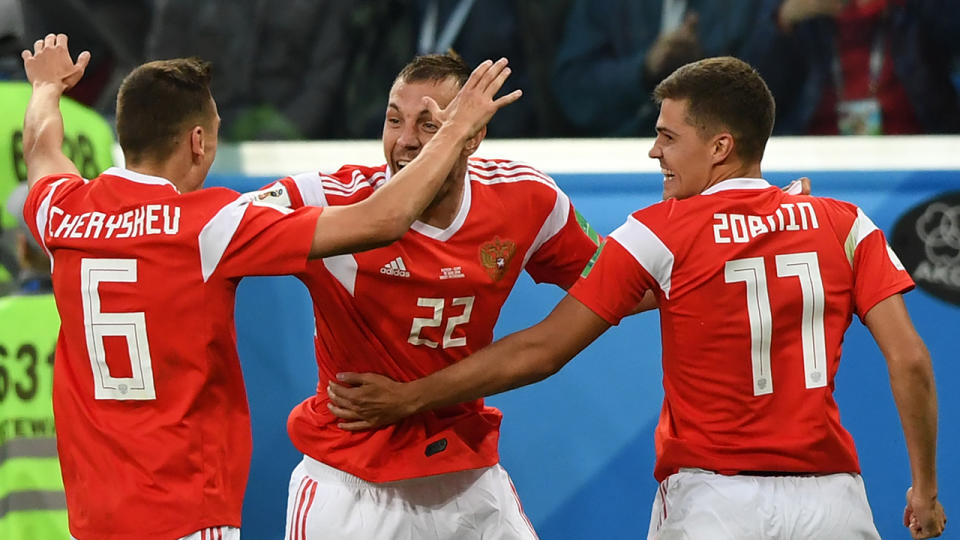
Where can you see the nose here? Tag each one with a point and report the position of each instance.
(408, 136)
(654, 152)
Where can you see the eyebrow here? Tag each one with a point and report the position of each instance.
(423, 112)
(667, 131)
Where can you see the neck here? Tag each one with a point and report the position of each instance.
(443, 210)
(181, 176)
(726, 171)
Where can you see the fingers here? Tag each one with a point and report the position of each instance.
(83, 60)
(37, 46)
(498, 81)
(350, 378)
(50, 40)
(503, 101)
(494, 77)
(477, 74)
(343, 413)
(432, 107)
(362, 425)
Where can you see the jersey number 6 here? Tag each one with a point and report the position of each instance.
(131, 326)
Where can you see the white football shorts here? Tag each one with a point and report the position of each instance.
(699, 504)
(325, 503)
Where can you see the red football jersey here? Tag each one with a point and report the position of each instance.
(756, 289)
(423, 303)
(153, 429)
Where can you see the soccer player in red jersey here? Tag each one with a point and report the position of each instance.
(756, 288)
(152, 421)
(412, 308)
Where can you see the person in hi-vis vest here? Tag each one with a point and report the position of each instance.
(88, 142)
(32, 503)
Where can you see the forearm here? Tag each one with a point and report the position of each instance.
(401, 200)
(43, 133)
(915, 394)
(514, 361)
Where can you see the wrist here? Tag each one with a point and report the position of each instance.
(56, 87)
(415, 397)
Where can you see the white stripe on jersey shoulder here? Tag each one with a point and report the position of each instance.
(736, 183)
(649, 251)
(497, 172)
(310, 185)
(442, 235)
(43, 217)
(862, 226)
(217, 233)
(344, 269)
(358, 181)
(139, 178)
(554, 222)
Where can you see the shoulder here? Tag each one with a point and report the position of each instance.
(512, 175)
(54, 186)
(351, 183)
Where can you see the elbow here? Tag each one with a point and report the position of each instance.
(914, 364)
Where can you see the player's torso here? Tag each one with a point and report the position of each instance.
(429, 299)
(761, 294)
(135, 380)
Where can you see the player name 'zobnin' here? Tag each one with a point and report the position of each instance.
(740, 228)
(145, 220)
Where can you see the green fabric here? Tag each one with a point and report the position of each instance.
(31, 487)
(88, 140)
(39, 524)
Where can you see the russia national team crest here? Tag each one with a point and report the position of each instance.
(495, 256)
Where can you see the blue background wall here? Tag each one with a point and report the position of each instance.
(579, 446)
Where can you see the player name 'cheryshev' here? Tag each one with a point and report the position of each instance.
(740, 228)
(145, 220)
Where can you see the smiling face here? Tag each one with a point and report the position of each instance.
(685, 156)
(408, 124)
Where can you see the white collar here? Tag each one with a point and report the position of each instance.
(736, 183)
(139, 177)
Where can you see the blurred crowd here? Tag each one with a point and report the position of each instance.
(321, 69)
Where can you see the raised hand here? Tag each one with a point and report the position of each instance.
(474, 104)
(50, 63)
(370, 400)
(924, 515)
(796, 11)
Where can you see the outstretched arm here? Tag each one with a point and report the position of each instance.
(52, 72)
(388, 213)
(911, 378)
(519, 359)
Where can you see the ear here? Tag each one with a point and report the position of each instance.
(474, 142)
(722, 147)
(197, 147)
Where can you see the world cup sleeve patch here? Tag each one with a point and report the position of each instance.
(276, 194)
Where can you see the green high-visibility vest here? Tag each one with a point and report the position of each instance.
(88, 140)
(32, 504)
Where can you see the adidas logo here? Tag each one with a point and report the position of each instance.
(395, 268)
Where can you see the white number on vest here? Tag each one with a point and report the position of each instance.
(806, 268)
(131, 326)
(419, 323)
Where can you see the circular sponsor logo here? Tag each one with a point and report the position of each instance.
(927, 239)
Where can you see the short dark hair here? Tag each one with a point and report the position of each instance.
(724, 93)
(435, 67)
(158, 100)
